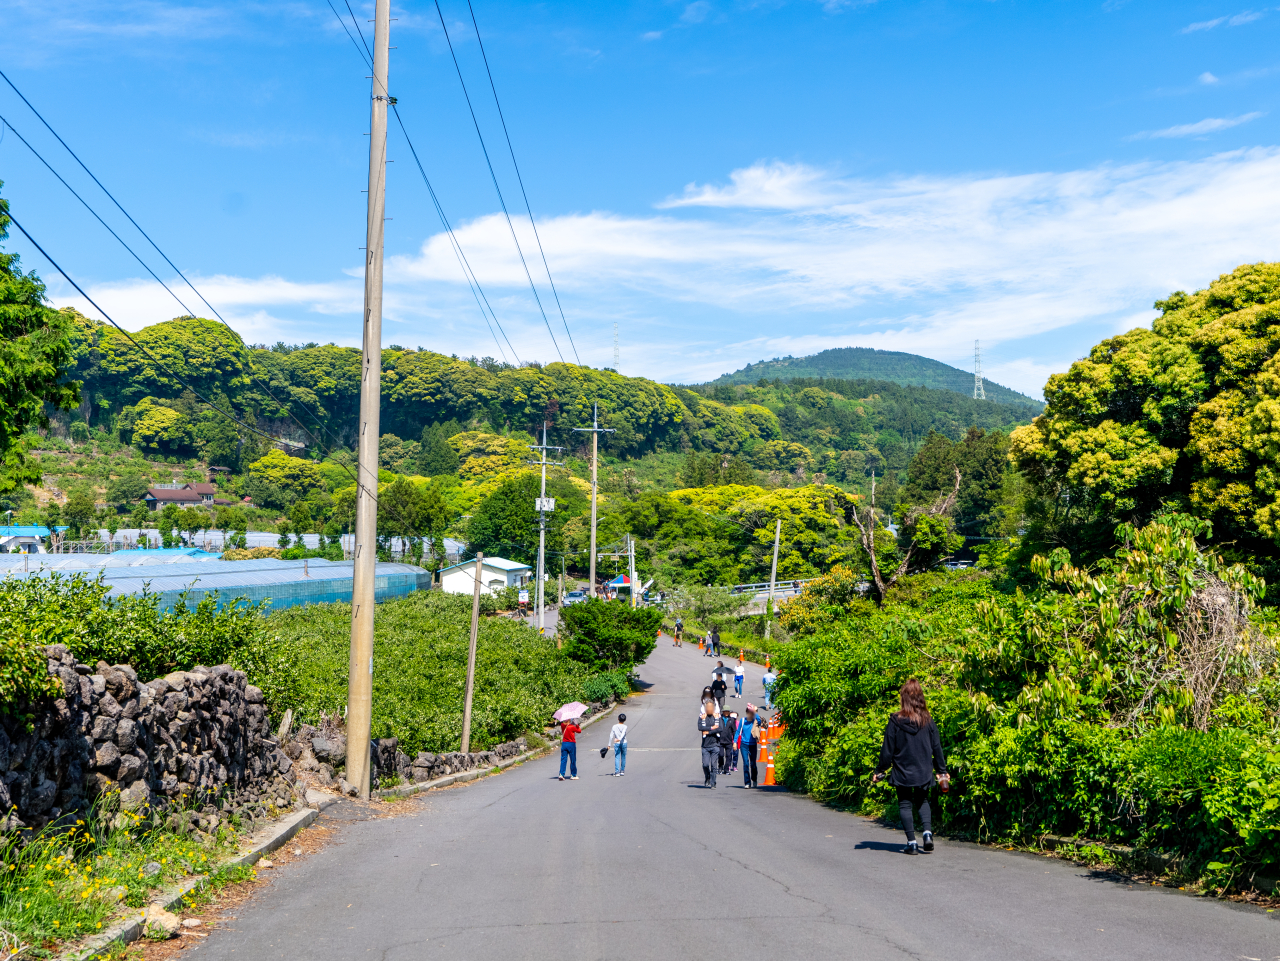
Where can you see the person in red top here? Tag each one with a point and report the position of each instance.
(569, 748)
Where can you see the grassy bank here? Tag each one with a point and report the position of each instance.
(420, 664)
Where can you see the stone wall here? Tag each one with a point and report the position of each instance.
(321, 755)
(189, 737)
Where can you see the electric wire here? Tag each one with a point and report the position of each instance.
(5, 123)
(477, 291)
(159, 363)
(520, 180)
(510, 226)
(472, 281)
(249, 365)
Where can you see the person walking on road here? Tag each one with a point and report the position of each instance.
(569, 731)
(912, 752)
(618, 738)
(727, 732)
(769, 678)
(709, 728)
(719, 688)
(747, 743)
(739, 676)
(678, 636)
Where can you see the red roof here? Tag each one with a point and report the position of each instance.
(202, 488)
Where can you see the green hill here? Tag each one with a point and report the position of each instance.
(865, 363)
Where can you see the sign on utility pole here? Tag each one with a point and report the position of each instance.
(595, 430)
(360, 667)
(543, 505)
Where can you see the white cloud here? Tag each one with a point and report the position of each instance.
(652, 35)
(1208, 125)
(696, 12)
(789, 259)
(1238, 20)
(1204, 25)
(1208, 78)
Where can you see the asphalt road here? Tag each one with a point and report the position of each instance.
(652, 865)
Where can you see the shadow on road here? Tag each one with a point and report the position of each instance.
(894, 846)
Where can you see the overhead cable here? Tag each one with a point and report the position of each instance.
(477, 291)
(494, 177)
(520, 180)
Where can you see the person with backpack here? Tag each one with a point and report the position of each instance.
(739, 676)
(709, 728)
(768, 679)
(678, 636)
(719, 688)
(747, 743)
(618, 738)
(912, 753)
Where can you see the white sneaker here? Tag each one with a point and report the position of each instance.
(574, 778)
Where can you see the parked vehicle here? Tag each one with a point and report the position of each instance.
(574, 597)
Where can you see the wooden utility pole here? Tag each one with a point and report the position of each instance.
(773, 579)
(595, 430)
(360, 668)
(471, 656)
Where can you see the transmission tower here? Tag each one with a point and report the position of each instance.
(616, 356)
(978, 393)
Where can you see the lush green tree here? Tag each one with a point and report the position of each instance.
(411, 511)
(608, 635)
(982, 459)
(140, 516)
(505, 523)
(35, 363)
(278, 481)
(435, 455)
(284, 528)
(1180, 416)
(80, 510)
(127, 489)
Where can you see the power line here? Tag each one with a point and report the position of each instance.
(472, 281)
(520, 180)
(144, 264)
(477, 291)
(249, 364)
(159, 363)
(494, 177)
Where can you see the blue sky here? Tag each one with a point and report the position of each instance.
(727, 181)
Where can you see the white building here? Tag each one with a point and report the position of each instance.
(498, 572)
(24, 539)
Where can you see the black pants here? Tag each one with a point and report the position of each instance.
(918, 797)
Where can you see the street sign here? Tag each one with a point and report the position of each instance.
(524, 597)
(544, 503)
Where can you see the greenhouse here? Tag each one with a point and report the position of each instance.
(173, 573)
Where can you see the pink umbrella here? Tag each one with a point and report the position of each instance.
(569, 711)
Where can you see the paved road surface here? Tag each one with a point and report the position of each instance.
(653, 866)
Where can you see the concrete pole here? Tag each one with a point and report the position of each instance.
(595, 457)
(360, 667)
(471, 656)
(542, 536)
(773, 579)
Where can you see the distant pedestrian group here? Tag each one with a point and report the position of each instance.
(726, 737)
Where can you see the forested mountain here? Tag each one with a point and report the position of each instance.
(865, 363)
(309, 395)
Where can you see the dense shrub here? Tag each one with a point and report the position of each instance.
(607, 635)
(420, 665)
(131, 629)
(1133, 703)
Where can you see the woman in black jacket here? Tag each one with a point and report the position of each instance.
(913, 750)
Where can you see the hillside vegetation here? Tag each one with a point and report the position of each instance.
(866, 363)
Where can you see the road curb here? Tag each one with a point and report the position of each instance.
(261, 842)
(408, 790)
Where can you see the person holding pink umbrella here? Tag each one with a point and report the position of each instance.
(569, 730)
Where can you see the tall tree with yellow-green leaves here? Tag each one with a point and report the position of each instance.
(1184, 416)
(35, 358)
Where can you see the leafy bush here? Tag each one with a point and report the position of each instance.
(420, 665)
(609, 634)
(1133, 703)
(131, 629)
